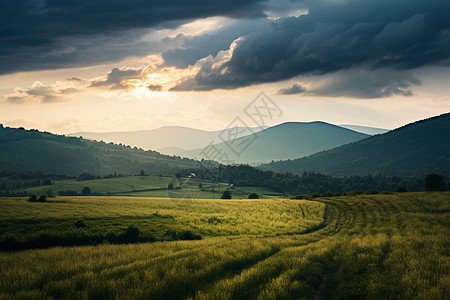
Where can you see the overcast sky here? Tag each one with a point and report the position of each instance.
(68, 66)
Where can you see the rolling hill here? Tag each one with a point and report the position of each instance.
(285, 141)
(32, 150)
(418, 148)
(168, 140)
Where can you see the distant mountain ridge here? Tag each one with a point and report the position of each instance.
(366, 129)
(283, 141)
(163, 138)
(418, 148)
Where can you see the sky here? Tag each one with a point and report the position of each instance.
(102, 66)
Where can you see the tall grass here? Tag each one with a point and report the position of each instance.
(57, 221)
(370, 247)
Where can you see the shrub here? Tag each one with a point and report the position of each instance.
(253, 196)
(226, 195)
(131, 235)
(32, 198)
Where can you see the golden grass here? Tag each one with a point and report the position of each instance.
(370, 247)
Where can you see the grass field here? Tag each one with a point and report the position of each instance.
(362, 247)
(153, 186)
(32, 224)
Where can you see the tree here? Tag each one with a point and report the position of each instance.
(253, 196)
(226, 195)
(170, 186)
(435, 182)
(86, 191)
(142, 173)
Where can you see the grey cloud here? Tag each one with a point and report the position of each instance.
(294, 89)
(38, 35)
(365, 84)
(358, 34)
(155, 87)
(40, 92)
(115, 80)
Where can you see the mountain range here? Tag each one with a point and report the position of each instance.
(285, 141)
(418, 148)
(168, 140)
(414, 149)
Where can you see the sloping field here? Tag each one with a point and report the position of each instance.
(374, 247)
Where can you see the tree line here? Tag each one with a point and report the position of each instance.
(311, 182)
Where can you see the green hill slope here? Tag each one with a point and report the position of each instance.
(418, 148)
(284, 141)
(48, 153)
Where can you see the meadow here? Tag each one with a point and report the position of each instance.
(69, 221)
(152, 186)
(358, 247)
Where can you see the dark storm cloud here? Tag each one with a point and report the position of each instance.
(194, 48)
(334, 36)
(51, 34)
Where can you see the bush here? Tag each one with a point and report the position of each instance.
(253, 196)
(226, 195)
(33, 198)
(131, 235)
